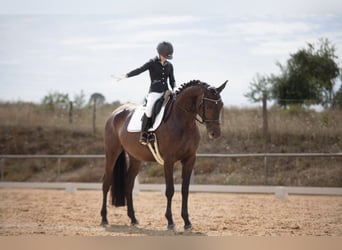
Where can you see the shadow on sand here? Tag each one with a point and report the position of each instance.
(140, 231)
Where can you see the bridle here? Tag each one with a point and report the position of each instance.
(203, 119)
(202, 110)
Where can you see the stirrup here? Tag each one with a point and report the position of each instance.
(143, 138)
(151, 138)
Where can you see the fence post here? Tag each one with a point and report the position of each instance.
(94, 116)
(265, 170)
(58, 168)
(2, 167)
(265, 131)
(70, 111)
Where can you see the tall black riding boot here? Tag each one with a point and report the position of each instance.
(145, 125)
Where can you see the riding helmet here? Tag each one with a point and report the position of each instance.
(165, 49)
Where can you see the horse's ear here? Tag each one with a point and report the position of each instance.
(219, 89)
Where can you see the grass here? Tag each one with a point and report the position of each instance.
(32, 129)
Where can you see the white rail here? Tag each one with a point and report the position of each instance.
(283, 191)
(41, 156)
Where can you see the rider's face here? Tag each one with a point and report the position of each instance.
(162, 59)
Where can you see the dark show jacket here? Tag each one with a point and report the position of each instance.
(158, 73)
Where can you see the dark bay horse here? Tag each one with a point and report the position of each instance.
(178, 138)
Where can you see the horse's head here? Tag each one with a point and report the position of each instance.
(209, 110)
(204, 101)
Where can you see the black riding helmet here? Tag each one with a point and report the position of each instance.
(165, 49)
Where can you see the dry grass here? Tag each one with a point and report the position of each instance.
(305, 122)
(32, 129)
(244, 123)
(32, 115)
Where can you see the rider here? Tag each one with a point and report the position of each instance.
(160, 71)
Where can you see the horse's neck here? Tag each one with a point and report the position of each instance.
(187, 104)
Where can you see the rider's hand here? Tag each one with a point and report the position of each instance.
(119, 78)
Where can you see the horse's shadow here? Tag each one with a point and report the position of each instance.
(138, 230)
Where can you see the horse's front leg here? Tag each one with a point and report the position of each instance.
(168, 171)
(187, 167)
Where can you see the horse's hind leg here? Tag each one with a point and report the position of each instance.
(187, 167)
(107, 181)
(133, 170)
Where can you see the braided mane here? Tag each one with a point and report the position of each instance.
(190, 84)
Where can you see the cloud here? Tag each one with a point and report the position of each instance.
(149, 7)
(277, 48)
(280, 38)
(10, 62)
(140, 39)
(130, 33)
(83, 49)
(262, 28)
(113, 46)
(100, 43)
(79, 41)
(71, 59)
(137, 23)
(154, 35)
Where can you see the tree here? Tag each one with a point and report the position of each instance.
(337, 100)
(291, 88)
(260, 90)
(56, 100)
(79, 100)
(97, 99)
(309, 76)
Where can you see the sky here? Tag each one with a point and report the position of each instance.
(71, 46)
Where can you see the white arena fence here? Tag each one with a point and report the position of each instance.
(280, 192)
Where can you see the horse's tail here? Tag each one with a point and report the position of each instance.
(118, 181)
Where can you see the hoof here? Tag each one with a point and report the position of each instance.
(104, 222)
(171, 227)
(135, 223)
(188, 227)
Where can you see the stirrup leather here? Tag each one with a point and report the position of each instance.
(153, 146)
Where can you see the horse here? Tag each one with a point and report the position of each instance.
(178, 140)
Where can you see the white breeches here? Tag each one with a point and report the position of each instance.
(151, 99)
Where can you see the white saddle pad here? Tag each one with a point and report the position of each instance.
(135, 122)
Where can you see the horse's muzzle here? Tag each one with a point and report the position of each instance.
(214, 134)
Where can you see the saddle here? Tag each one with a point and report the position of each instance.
(158, 114)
